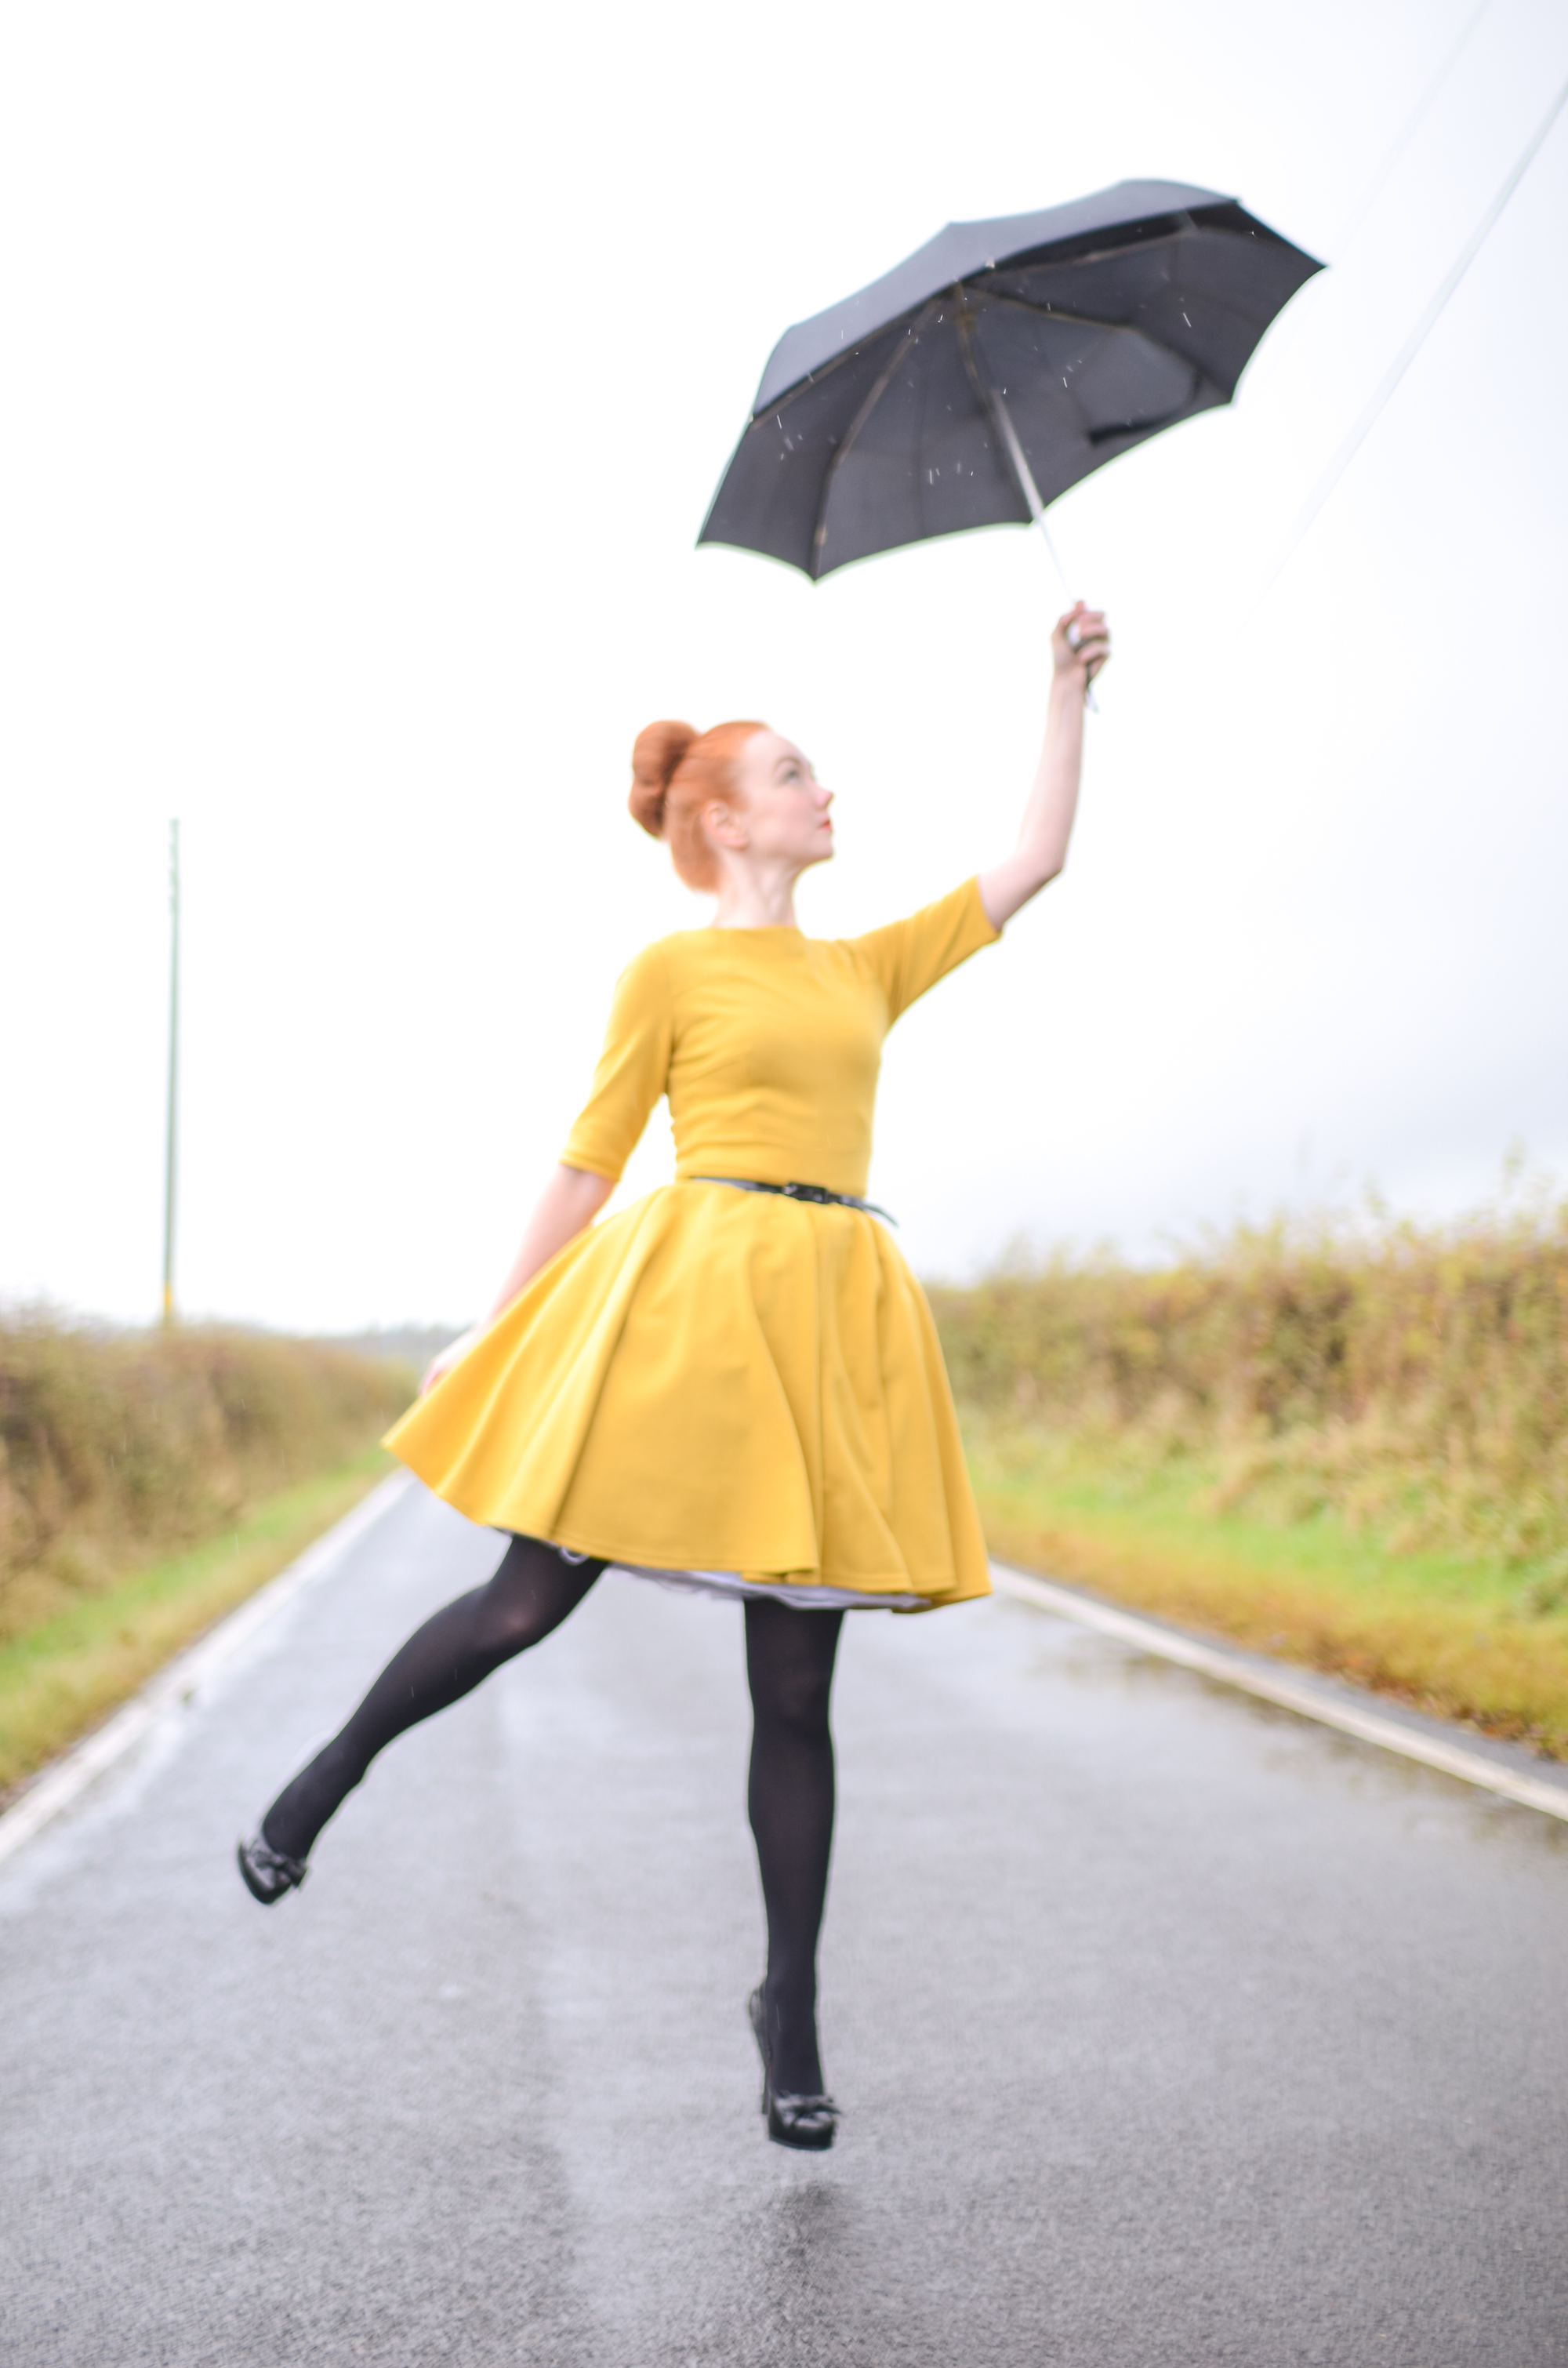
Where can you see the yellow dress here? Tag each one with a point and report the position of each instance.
(730, 1383)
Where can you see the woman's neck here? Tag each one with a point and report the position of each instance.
(747, 901)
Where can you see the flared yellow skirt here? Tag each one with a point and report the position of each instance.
(717, 1381)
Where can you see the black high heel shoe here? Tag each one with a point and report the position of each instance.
(809, 2122)
(268, 1874)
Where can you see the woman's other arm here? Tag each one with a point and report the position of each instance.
(631, 1074)
(1079, 648)
(572, 1199)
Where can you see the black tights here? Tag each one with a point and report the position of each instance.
(789, 1658)
(531, 1593)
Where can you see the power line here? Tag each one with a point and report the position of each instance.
(1380, 179)
(1413, 344)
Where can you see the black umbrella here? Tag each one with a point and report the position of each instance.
(1006, 359)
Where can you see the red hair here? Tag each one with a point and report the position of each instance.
(676, 774)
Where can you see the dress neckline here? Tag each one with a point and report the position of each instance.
(762, 929)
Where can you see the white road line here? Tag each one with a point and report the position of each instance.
(66, 1778)
(1451, 1759)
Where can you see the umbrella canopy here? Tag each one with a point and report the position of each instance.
(997, 367)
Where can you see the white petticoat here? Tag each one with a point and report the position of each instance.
(728, 1584)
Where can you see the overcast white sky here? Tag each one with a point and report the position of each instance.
(367, 372)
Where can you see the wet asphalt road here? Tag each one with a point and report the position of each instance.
(1170, 2029)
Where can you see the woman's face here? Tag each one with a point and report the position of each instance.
(783, 815)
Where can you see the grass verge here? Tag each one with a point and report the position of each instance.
(65, 1675)
(1448, 1632)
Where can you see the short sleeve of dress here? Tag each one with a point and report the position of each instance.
(911, 955)
(633, 1072)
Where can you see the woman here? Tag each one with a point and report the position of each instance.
(734, 1383)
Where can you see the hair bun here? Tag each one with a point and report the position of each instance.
(655, 757)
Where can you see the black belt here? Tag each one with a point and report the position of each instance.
(817, 1192)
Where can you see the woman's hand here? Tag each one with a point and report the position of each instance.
(1080, 644)
(450, 1355)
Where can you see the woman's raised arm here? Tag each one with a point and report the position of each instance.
(1079, 648)
(572, 1199)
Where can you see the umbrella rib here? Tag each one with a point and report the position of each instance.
(1052, 311)
(1088, 321)
(974, 286)
(923, 312)
(814, 377)
(819, 524)
(790, 394)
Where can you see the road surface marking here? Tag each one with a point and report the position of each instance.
(1210, 1661)
(67, 1778)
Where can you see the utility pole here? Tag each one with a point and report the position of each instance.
(171, 1142)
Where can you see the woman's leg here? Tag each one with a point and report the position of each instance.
(789, 1657)
(531, 1593)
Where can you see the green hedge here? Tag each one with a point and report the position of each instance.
(117, 1447)
(1412, 1381)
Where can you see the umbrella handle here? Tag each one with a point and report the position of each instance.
(996, 409)
(1030, 492)
(1090, 701)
